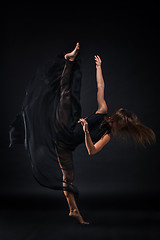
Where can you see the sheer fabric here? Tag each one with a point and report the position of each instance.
(48, 123)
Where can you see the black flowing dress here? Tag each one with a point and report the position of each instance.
(48, 125)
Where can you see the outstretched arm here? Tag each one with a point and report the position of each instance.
(102, 106)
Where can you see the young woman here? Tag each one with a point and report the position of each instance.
(51, 127)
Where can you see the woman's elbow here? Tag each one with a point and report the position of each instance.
(92, 152)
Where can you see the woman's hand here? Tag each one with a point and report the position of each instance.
(97, 61)
(84, 123)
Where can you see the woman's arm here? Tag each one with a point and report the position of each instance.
(101, 143)
(89, 144)
(102, 106)
(93, 148)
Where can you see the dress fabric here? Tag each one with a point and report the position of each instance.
(48, 125)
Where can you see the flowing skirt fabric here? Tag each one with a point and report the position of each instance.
(50, 111)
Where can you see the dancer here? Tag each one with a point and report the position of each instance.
(51, 126)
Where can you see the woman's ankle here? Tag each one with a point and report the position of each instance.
(74, 210)
(72, 55)
(69, 59)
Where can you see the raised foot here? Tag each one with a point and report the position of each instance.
(76, 215)
(72, 55)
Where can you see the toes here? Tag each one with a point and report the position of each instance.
(85, 223)
(77, 46)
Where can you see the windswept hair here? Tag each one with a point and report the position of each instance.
(124, 122)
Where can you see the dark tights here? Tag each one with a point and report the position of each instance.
(65, 157)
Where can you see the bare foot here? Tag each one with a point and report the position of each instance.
(76, 215)
(72, 55)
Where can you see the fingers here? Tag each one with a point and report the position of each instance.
(97, 59)
(83, 121)
(80, 120)
(77, 45)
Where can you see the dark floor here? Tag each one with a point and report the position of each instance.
(46, 218)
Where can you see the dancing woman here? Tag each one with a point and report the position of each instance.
(51, 127)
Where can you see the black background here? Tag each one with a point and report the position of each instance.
(126, 36)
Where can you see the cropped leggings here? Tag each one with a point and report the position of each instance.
(65, 157)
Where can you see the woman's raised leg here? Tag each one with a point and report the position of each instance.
(65, 106)
(63, 116)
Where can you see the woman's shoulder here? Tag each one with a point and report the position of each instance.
(96, 115)
(100, 115)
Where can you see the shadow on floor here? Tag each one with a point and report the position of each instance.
(46, 218)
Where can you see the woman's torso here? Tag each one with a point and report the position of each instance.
(94, 122)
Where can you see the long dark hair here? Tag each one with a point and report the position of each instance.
(124, 122)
